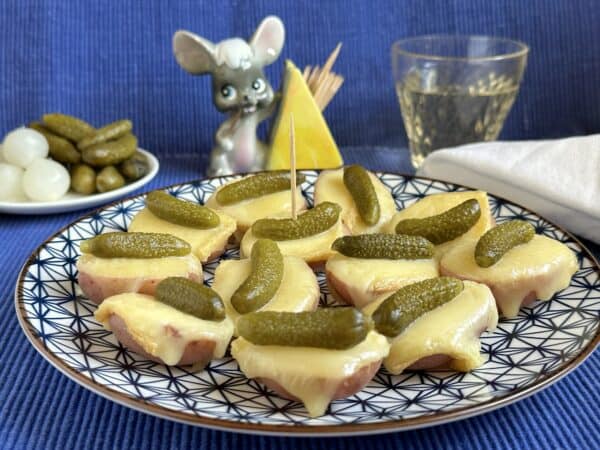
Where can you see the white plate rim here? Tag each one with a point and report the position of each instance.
(88, 201)
(304, 430)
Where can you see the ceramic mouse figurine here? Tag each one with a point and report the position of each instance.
(240, 88)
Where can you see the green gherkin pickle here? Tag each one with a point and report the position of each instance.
(191, 298)
(60, 149)
(135, 245)
(135, 167)
(311, 222)
(256, 186)
(359, 184)
(492, 246)
(109, 179)
(67, 126)
(443, 227)
(83, 179)
(331, 328)
(384, 246)
(108, 132)
(181, 212)
(264, 279)
(410, 302)
(110, 153)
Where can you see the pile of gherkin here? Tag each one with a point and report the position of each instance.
(98, 159)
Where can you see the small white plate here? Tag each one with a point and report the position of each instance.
(73, 201)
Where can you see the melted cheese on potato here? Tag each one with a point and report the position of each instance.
(299, 290)
(330, 187)
(367, 279)
(204, 243)
(452, 329)
(311, 249)
(435, 204)
(277, 204)
(543, 265)
(151, 322)
(310, 374)
(171, 266)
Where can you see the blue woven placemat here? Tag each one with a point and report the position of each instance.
(42, 409)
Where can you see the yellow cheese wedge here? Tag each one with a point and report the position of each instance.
(149, 322)
(315, 147)
(451, 329)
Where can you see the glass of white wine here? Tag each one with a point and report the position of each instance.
(455, 90)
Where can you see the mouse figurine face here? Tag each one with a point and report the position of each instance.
(244, 91)
(240, 89)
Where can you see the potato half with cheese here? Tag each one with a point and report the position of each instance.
(100, 278)
(445, 336)
(207, 244)
(248, 211)
(435, 204)
(163, 333)
(330, 187)
(535, 270)
(359, 281)
(298, 291)
(314, 247)
(314, 376)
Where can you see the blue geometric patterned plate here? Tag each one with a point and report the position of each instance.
(524, 355)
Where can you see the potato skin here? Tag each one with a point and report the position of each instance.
(338, 289)
(97, 287)
(198, 352)
(431, 362)
(345, 388)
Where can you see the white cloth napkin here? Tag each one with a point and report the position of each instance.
(559, 179)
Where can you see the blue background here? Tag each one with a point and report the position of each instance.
(104, 60)
(107, 59)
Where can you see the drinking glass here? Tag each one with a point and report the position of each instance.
(455, 89)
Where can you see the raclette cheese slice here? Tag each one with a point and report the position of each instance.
(330, 187)
(435, 204)
(246, 212)
(313, 249)
(535, 270)
(206, 244)
(452, 329)
(161, 330)
(360, 281)
(310, 374)
(299, 289)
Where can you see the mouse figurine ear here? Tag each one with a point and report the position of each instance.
(267, 41)
(194, 53)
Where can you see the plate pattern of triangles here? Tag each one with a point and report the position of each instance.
(521, 353)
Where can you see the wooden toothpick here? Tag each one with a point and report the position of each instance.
(329, 64)
(306, 72)
(293, 166)
(321, 81)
